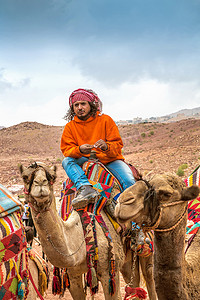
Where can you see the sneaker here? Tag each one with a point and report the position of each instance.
(86, 194)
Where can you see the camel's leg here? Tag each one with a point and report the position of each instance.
(147, 271)
(130, 269)
(105, 284)
(76, 287)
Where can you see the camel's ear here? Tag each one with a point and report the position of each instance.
(52, 171)
(24, 173)
(190, 193)
(21, 168)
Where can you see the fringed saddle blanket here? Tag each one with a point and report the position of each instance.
(43, 279)
(13, 251)
(193, 223)
(101, 179)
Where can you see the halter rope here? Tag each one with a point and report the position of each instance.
(160, 208)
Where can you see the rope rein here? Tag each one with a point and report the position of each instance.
(134, 257)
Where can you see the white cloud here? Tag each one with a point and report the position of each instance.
(149, 98)
(44, 98)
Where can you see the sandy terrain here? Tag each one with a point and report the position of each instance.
(152, 148)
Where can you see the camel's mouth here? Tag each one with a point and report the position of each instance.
(41, 199)
(125, 214)
(120, 215)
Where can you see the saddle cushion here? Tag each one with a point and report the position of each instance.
(8, 203)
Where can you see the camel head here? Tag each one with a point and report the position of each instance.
(38, 183)
(142, 202)
(130, 204)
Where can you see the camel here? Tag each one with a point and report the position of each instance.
(64, 242)
(161, 205)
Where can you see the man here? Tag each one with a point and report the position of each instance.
(90, 129)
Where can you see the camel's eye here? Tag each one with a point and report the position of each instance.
(25, 178)
(167, 194)
(164, 194)
(40, 183)
(45, 182)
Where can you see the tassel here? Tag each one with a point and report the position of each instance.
(112, 286)
(56, 283)
(21, 289)
(89, 278)
(66, 282)
(94, 277)
(42, 282)
(134, 293)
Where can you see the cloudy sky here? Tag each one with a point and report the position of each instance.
(142, 57)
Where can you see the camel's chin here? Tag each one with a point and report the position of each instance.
(41, 199)
(125, 214)
(123, 221)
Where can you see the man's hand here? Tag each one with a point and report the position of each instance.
(101, 144)
(86, 148)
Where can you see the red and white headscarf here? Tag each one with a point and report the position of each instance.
(85, 95)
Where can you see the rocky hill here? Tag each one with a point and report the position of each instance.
(151, 147)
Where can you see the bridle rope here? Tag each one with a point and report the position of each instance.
(160, 208)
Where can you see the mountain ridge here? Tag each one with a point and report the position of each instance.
(150, 147)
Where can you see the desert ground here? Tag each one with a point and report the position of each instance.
(151, 147)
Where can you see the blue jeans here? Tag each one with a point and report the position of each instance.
(118, 168)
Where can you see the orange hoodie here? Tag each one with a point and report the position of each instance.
(78, 132)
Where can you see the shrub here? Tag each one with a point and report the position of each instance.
(180, 172)
(181, 169)
(143, 134)
(184, 166)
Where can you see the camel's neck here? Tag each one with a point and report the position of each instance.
(169, 262)
(63, 242)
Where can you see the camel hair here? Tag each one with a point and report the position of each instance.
(64, 242)
(161, 204)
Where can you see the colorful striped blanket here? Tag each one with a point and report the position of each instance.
(8, 204)
(193, 223)
(101, 179)
(13, 252)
